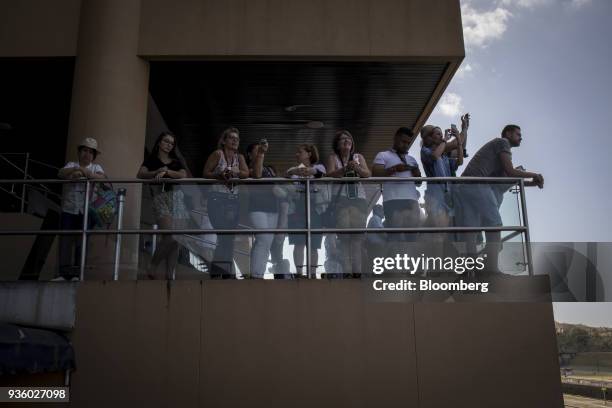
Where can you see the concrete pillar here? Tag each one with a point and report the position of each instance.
(109, 103)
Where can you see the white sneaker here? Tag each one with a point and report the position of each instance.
(75, 279)
(58, 279)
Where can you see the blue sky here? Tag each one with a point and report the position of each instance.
(545, 65)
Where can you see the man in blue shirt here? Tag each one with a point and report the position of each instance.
(437, 162)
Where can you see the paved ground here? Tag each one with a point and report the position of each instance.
(573, 401)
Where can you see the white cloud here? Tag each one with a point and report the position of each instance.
(464, 70)
(577, 4)
(526, 3)
(450, 105)
(482, 27)
(530, 4)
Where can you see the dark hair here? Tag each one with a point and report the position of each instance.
(249, 149)
(509, 128)
(312, 149)
(155, 150)
(404, 131)
(337, 138)
(95, 152)
(174, 154)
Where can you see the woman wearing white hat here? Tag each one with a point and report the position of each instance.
(73, 202)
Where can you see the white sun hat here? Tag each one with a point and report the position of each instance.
(91, 143)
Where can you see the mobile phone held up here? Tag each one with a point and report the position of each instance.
(454, 127)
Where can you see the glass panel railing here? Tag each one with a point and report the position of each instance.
(198, 256)
(409, 204)
(260, 205)
(264, 222)
(193, 256)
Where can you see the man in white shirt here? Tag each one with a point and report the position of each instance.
(400, 199)
(73, 201)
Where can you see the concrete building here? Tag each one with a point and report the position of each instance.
(123, 70)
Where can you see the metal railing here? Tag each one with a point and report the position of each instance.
(308, 230)
(27, 175)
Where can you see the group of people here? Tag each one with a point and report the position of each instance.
(333, 205)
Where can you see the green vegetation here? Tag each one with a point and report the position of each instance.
(582, 339)
(603, 361)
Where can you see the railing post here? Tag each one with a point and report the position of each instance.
(25, 177)
(154, 240)
(121, 199)
(67, 378)
(308, 247)
(85, 227)
(526, 225)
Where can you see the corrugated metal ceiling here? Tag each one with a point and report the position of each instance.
(199, 99)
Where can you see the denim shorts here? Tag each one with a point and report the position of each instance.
(436, 203)
(477, 205)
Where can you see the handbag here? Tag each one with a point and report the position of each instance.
(102, 206)
(228, 201)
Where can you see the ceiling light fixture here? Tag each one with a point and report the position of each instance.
(293, 108)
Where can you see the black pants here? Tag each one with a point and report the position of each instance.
(70, 261)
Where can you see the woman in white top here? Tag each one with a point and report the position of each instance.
(307, 157)
(225, 164)
(349, 199)
(73, 201)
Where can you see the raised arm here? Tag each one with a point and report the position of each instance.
(460, 150)
(440, 149)
(465, 124)
(256, 170)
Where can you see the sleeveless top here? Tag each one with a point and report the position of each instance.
(343, 187)
(221, 166)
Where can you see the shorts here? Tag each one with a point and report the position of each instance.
(392, 206)
(436, 205)
(477, 205)
(360, 203)
(170, 204)
(299, 221)
(356, 217)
